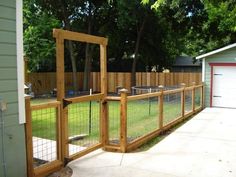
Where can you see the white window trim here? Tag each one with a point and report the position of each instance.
(203, 69)
(20, 60)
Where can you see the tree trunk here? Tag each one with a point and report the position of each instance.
(87, 68)
(74, 69)
(69, 46)
(139, 35)
(88, 56)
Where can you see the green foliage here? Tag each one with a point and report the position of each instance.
(172, 27)
(39, 45)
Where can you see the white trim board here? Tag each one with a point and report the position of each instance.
(20, 60)
(216, 51)
(203, 69)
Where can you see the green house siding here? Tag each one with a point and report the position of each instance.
(13, 136)
(227, 56)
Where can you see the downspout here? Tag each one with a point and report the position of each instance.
(2, 127)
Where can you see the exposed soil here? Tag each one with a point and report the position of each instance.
(64, 172)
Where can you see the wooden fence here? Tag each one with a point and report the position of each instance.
(119, 123)
(145, 116)
(43, 83)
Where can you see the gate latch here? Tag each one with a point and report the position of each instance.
(66, 103)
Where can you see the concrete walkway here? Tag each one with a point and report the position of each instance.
(203, 147)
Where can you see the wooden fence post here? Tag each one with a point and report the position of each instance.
(103, 85)
(104, 123)
(61, 95)
(203, 95)
(26, 69)
(123, 120)
(29, 138)
(161, 97)
(193, 96)
(183, 99)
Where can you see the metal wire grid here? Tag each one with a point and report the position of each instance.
(83, 125)
(114, 122)
(188, 101)
(44, 131)
(142, 117)
(198, 98)
(137, 90)
(171, 107)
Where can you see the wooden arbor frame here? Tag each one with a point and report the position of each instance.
(61, 36)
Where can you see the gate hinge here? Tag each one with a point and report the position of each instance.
(66, 103)
(66, 161)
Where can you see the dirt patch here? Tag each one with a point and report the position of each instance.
(64, 172)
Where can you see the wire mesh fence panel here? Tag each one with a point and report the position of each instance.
(171, 107)
(114, 122)
(137, 90)
(142, 117)
(188, 101)
(44, 130)
(83, 125)
(198, 98)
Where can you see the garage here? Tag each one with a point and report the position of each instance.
(219, 77)
(224, 86)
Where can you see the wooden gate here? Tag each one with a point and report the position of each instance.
(77, 142)
(63, 130)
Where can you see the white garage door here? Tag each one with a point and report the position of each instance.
(224, 87)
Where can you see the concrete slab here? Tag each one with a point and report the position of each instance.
(205, 146)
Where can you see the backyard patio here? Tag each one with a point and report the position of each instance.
(204, 146)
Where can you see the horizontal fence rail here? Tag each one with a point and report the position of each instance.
(44, 83)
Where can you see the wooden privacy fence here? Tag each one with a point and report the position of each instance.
(43, 83)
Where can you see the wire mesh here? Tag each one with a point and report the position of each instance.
(171, 107)
(83, 125)
(198, 98)
(142, 117)
(137, 90)
(188, 101)
(44, 132)
(114, 122)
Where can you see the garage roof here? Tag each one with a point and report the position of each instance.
(216, 51)
(186, 61)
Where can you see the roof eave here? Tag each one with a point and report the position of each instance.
(216, 51)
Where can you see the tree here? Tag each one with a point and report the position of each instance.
(132, 17)
(210, 24)
(39, 45)
(66, 12)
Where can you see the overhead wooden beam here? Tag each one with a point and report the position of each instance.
(81, 37)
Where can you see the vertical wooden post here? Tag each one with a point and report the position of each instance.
(29, 138)
(182, 99)
(160, 105)
(104, 123)
(104, 110)
(203, 95)
(123, 119)
(103, 65)
(193, 97)
(58, 132)
(26, 69)
(61, 95)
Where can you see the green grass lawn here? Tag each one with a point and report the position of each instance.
(83, 119)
